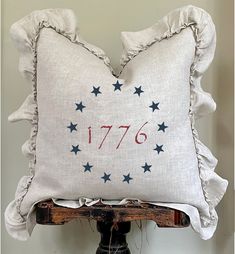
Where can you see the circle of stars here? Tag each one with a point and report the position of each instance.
(146, 167)
(72, 127)
(117, 86)
(158, 148)
(106, 177)
(75, 149)
(127, 178)
(154, 106)
(80, 107)
(138, 91)
(162, 127)
(87, 167)
(96, 90)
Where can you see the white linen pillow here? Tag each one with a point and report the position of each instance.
(97, 135)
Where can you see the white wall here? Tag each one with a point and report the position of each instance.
(100, 23)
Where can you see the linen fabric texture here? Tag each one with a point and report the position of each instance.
(101, 136)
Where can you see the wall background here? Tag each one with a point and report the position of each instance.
(101, 23)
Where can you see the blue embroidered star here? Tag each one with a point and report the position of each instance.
(138, 91)
(87, 167)
(117, 86)
(146, 167)
(75, 149)
(162, 127)
(106, 177)
(154, 106)
(72, 127)
(96, 90)
(80, 106)
(127, 178)
(158, 148)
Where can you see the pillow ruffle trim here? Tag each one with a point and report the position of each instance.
(25, 34)
(201, 102)
(205, 37)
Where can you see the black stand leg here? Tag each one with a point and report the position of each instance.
(113, 237)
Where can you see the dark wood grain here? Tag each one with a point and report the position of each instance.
(113, 222)
(51, 214)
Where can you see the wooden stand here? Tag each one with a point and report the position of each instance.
(113, 222)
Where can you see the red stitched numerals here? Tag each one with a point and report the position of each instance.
(140, 136)
(89, 134)
(109, 127)
(127, 128)
(139, 133)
